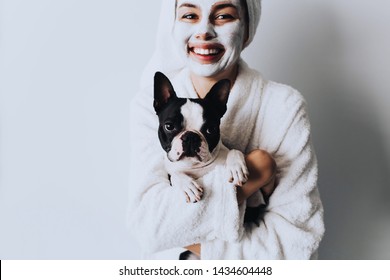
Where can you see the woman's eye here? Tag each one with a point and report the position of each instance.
(189, 16)
(224, 17)
(169, 127)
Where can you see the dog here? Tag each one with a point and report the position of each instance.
(189, 133)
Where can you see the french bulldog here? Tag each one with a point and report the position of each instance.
(189, 133)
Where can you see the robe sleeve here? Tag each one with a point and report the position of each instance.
(159, 217)
(293, 224)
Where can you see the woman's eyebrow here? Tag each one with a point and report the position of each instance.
(224, 5)
(187, 5)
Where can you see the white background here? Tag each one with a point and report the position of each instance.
(68, 70)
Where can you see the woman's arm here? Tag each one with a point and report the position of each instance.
(293, 224)
(262, 171)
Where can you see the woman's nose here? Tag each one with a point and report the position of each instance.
(205, 31)
(204, 36)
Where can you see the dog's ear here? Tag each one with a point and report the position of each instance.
(163, 91)
(219, 95)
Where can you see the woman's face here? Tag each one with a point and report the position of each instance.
(210, 34)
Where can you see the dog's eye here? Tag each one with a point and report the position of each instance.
(169, 127)
(211, 130)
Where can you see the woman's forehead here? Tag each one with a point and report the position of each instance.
(207, 3)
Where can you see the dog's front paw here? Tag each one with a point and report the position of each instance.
(236, 167)
(192, 190)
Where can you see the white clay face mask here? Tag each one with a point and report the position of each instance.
(209, 34)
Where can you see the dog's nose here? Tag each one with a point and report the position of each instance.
(191, 143)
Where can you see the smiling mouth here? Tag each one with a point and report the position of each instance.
(206, 54)
(200, 51)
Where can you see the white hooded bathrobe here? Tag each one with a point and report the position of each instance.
(261, 114)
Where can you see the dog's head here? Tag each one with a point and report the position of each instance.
(189, 128)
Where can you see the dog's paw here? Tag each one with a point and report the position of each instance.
(236, 168)
(192, 190)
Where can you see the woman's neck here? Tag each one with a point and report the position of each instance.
(203, 85)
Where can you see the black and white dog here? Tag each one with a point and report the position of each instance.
(190, 135)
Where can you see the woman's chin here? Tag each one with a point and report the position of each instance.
(205, 70)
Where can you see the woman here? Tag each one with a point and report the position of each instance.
(199, 43)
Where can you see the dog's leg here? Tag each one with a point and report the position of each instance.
(236, 167)
(192, 190)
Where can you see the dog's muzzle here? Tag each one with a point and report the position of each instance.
(189, 144)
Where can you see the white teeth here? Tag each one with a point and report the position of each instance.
(205, 51)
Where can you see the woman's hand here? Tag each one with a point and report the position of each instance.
(194, 248)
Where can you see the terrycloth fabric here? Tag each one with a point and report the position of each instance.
(261, 114)
(165, 57)
(159, 215)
